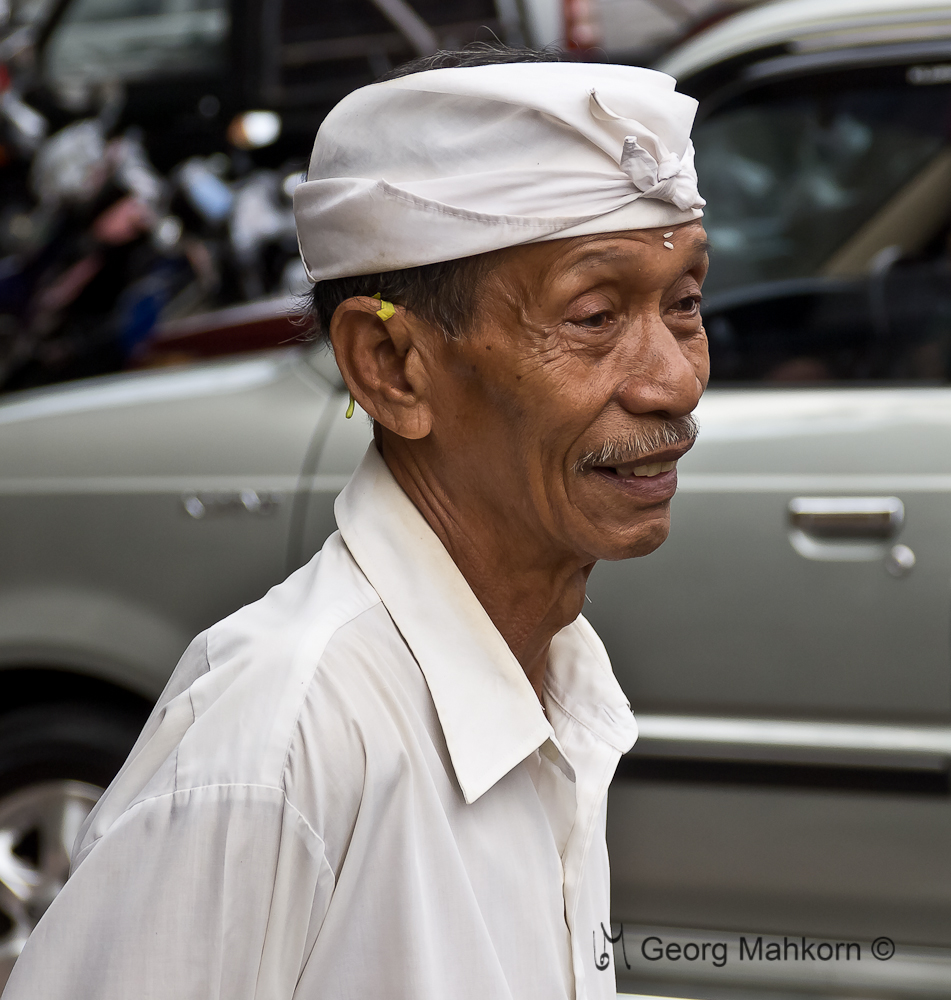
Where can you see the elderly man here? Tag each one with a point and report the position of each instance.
(387, 778)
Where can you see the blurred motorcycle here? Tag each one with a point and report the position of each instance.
(108, 248)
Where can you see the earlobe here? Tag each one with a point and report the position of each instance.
(377, 349)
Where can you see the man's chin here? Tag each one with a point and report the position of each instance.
(630, 541)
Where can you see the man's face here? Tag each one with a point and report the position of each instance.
(553, 416)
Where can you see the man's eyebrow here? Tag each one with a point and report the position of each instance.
(701, 246)
(593, 257)
(698, 247)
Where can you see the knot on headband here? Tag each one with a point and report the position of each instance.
(657, 174)
(665, 180)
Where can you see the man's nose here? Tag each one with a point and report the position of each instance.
(666, 374)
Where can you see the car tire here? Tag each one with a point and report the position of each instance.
(55, 761)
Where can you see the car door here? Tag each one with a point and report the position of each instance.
(787, 649)
(140, 509)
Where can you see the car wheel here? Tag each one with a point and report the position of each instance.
(55, 761)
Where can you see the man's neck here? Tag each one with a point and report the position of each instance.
(529, 594)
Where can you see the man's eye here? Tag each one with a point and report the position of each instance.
(593, 322)
(690, 304)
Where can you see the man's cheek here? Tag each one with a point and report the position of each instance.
(702, 358)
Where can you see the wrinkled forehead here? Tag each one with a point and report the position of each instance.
(626, 252)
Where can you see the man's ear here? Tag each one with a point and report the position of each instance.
(381, 362)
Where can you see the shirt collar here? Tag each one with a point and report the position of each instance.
(487, 708)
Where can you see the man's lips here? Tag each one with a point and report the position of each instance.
(646, 466)
(647, 489)
(649, 478)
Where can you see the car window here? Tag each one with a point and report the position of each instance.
(828, 207)
(136, 39)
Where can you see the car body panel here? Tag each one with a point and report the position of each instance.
(850, 866)
(770, 630)
(726, 620)
(104, 568)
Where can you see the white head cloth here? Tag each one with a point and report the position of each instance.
(453, 162)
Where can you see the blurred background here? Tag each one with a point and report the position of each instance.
(149, 150)
(171, 446)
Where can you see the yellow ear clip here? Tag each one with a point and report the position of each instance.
(350, 407)
(386, 310)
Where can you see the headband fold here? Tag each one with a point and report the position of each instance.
(455, 162)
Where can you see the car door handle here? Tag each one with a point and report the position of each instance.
(869, 518)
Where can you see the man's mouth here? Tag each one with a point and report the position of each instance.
(639, 471)
(644, 466)
(646, 452)
(651, 478)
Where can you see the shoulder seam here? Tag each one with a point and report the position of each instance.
(295, 728)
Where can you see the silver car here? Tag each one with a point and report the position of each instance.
(783, 824)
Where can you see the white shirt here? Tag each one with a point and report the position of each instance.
(350, 790)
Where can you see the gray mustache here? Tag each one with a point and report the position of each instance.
(643, 440)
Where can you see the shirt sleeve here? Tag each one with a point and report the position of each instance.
(210, 892)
